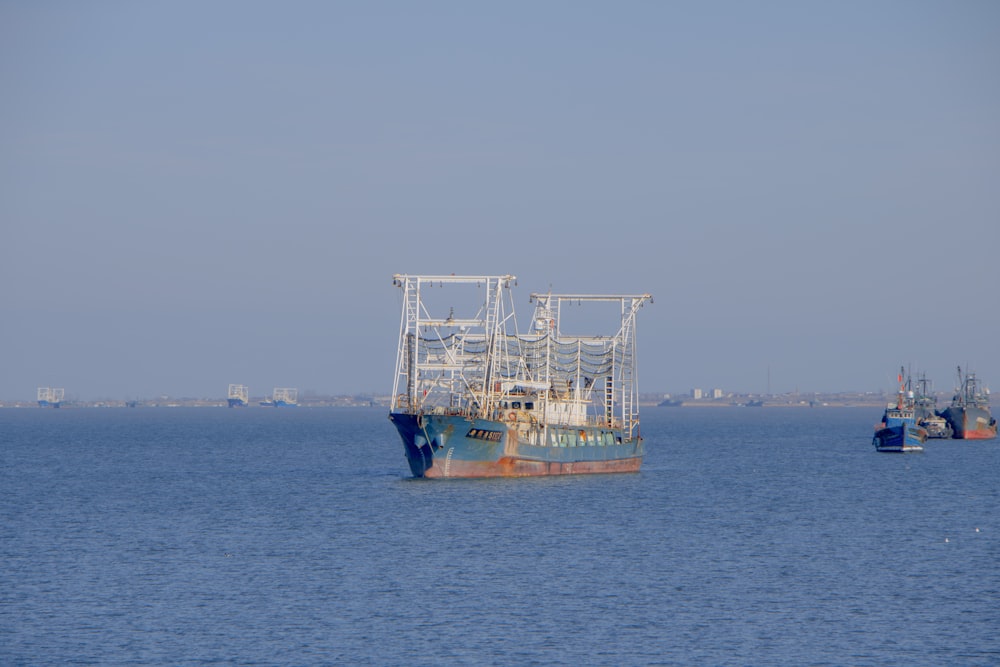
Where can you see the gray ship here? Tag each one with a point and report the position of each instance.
(969, 413)
(925, 404)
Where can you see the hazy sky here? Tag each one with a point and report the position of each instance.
(199, 193)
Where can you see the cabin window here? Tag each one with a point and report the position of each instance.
(609, 439)
(516, 405)
(528, 405)
(562, 439)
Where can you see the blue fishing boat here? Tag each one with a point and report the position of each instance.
(285, 397)
(49, 397)
(239, 396)
(473, 397)
(282, 397)
(899, 431)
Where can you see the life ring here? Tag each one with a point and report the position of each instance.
(512, 416)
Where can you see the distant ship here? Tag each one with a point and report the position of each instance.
(473, 397)
(239, 396)
(969, 413)
(282, 397)
(925, 405)
(899, 431)
(49, 397)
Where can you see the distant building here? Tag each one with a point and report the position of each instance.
(696, 394)
(716, 393)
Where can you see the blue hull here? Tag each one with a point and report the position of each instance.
(900, 438)
(459, 446)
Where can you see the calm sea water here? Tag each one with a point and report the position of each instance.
(295, 537)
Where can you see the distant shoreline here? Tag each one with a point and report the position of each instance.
(382, 402)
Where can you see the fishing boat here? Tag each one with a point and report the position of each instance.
(282, 397)
(925, 406)
(239, 396)
(50, 397)
(473, 397)
(899, 431)
(969, 413)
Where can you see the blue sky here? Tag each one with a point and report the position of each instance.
(193, 194)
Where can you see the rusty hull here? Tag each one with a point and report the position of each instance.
(442, 446)
(512, 467)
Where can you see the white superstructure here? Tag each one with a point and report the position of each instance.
(51, 395)
(465, 355)
(239, 392)
(285, 395)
